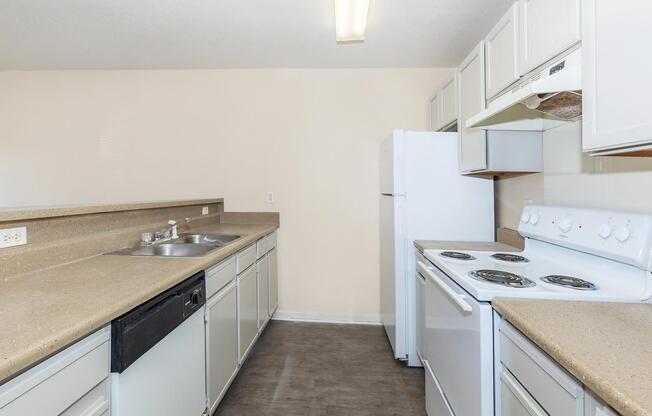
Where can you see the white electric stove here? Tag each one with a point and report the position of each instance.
(570, 254)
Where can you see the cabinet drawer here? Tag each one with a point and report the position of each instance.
(515, 400)
(94, 403)
(265, 244)
(245, 258)
(219, 276)
(59, 382)
(551, 386)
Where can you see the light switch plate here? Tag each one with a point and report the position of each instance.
(11, 237)
(204, 211)
(270, 197)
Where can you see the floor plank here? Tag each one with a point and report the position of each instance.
(324, 370)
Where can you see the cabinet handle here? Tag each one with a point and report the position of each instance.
(526, 400)
(454, 296)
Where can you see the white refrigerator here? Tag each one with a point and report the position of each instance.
(423, 197)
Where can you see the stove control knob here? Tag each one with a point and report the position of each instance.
(534, 219)
(566, 224)
(605, 231)
(525, 218)
(623, 234)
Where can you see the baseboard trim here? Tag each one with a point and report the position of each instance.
(366, 319)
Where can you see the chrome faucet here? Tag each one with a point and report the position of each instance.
(168, 233)
(171, 231)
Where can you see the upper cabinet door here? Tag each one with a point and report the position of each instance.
(548, 27)
(471, 99)
(448, 94)
(501, 53)
(616, 74)
(435, 111)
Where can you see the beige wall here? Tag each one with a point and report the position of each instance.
(573, 178)
(311, 136)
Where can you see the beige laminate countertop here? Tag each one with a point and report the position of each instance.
(45, 311)
(607, 346)
(462, 245)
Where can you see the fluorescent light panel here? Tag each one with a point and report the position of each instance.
(351, 20)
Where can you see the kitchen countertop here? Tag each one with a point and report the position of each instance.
(43, 312)
(462, 245)
(607, 346)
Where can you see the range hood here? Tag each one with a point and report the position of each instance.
(542, 100)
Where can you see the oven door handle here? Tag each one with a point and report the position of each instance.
(454, 296)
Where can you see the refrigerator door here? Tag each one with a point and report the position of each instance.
(392, 289)
(391, 157)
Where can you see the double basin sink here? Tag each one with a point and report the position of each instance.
(187, 245)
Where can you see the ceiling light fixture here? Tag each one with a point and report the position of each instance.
(351, 20)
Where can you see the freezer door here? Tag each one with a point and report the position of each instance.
(392, 279)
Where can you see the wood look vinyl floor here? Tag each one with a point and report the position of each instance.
(324, 369)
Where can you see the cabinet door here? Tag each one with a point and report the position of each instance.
(221, 343)
(420, 313)
(593, 406)
(247, 310)
(616, 74)
(548, 27)
(263, 290)
(448, 94)
(471, 100)
(435, 112)
(501, 53)
(273, 281)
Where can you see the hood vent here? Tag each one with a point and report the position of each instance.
(541, 101)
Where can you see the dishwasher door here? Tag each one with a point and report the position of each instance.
(158, 357)
(169, 379)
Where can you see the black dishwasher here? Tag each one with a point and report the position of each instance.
(137, 331)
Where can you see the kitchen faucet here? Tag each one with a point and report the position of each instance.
(168, 233)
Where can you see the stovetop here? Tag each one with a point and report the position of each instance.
(539, 272)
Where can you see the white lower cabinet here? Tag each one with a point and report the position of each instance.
(532, 383)
(273, 281)
(247, 310)
(262, 272)
(594, 406)
(73, 382)
(221, 343)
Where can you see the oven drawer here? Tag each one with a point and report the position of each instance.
(552, 387)
(436, 404)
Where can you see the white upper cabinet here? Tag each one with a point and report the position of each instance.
(471, 99)
(501, 53)
(448, 94)
(548, 27)
(616, 76)
(435, 111)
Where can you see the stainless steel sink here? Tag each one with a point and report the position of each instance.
(167, 250)
(187, 245)
(214, 239)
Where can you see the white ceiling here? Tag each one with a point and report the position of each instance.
(133, 34)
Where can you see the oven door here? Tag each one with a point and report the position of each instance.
(458, 344)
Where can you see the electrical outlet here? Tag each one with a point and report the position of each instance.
(204, 211)
(270, 197)
(11, 237)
